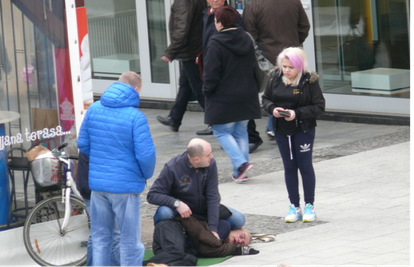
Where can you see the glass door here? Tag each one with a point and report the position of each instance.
(362, 53)
(130, 35)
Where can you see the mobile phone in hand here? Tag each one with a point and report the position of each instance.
(284, 113)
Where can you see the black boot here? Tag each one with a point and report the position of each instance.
(168, 122)
(207, 131)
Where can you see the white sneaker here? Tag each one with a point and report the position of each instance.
(294, 214)
(309, 214)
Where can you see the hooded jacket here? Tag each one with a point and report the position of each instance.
(310, 106)
(209, 27)
(186, 29)
(116, 137)
(229, 85)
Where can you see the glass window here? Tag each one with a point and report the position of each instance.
(362, 46)
(157, 40)
(36, 97)
(113, 37)
(28, 58)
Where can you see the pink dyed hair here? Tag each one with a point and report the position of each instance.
(297, 58)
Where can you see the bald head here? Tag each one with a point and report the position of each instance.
(240, 236)
(199, 153)
(131, 78)
(196, 146)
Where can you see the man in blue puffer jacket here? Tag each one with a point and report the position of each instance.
(116, 137)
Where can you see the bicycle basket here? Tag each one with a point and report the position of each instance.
(45, 169)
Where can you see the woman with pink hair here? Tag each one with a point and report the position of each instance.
(294, 98)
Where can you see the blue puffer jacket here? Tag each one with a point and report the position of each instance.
(116, 137)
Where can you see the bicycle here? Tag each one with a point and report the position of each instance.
(57, 228)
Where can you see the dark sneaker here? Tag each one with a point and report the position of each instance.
(254, 146)
(243, 169)
(246, 250)
(168, 122)
(207, 131)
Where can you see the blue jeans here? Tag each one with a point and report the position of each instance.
(270, 124)
(108, 210)
(234, 140)
(115, 243)
(236, 220)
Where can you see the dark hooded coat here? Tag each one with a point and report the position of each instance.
(229, 85)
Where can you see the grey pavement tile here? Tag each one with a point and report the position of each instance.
(321, 245)
(274, 225)
(248, 260)
(377, 241)
(349, 174)
(387, 248)
(387, 259)
(346, 258)
(400, 232)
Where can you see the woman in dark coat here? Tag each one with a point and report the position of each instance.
(230, 89)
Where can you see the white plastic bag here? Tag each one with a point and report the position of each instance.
(45, 169)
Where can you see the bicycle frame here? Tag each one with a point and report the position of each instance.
(66, 192)
(53, 233)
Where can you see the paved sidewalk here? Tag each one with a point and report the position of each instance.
(364, 200)
(362, 195)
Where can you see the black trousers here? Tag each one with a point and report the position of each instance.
(189, 84)
(254, 136)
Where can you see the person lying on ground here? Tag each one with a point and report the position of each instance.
(179, 241)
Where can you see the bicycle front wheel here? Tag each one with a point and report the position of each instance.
(47, 243)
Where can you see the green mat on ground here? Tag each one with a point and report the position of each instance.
(201, 261)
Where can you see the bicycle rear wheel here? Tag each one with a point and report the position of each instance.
(44, 240)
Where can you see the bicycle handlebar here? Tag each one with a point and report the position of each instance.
(60, 148)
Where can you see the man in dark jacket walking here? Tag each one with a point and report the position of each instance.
(186, 28)
(275, 25)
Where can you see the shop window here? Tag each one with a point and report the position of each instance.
(113, 37)
(35, 73)
(362, 46)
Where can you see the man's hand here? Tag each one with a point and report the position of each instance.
(184, 210)
(166, 59)
(215, 234)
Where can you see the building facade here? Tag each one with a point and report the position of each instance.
(360, 49)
